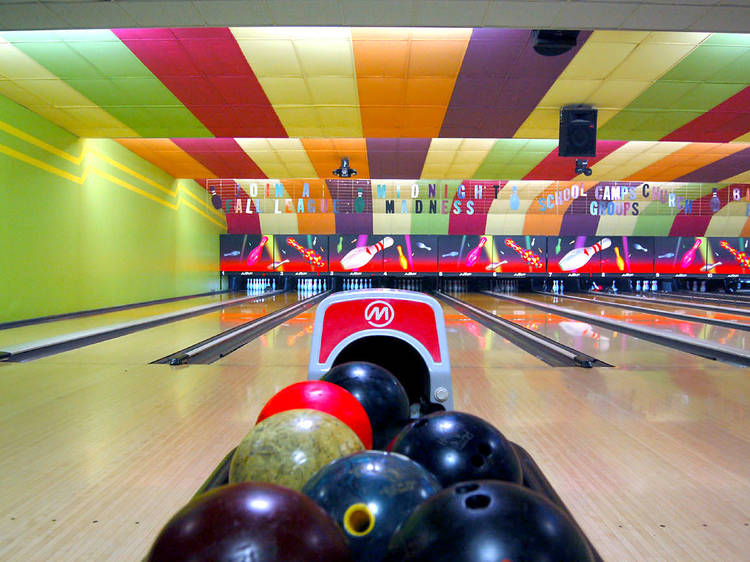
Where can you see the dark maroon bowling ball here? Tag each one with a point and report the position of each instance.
(370, 494)
(488, 521)
(381, 394)
(251, 521)
(456, 446)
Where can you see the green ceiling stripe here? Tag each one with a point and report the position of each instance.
(713, 72)
(514, 158)
(103, 69)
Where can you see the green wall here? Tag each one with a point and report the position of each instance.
(88, 224)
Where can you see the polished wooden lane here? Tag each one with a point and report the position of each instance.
(692, 329)
(151, 344)
(472, 343)
(652, 462)
(44, 330)
(656, 305)
(610, 346)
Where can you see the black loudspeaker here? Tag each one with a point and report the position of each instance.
(577, 131)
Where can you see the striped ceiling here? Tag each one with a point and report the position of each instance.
(399, 102)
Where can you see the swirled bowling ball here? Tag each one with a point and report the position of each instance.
(290, 447)
(326, 397)
(488, 521)
(250, 521)
(381, 394)
(456, 446)
(369, 495)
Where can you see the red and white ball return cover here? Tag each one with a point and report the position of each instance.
(415, 318)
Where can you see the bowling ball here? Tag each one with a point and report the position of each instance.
(456, 446)
(250, 521)
(323, 396)
(488, 520)
(381, 394)
(290, 447)
(369, 495)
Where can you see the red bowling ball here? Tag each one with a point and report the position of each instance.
(325, 397)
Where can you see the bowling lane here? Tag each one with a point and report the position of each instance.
(151, 344)
(287, 346)
(726, 336)
(473, 345)
(33, 332)
(470, 345)
(615, 348)
(656, 304)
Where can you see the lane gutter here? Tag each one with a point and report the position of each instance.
(605, 300)
(66, 342)
(710, 350)
(546, 349)
(218, 346)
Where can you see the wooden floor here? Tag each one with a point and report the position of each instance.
(651, 456)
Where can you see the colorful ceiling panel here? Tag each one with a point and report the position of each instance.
(399, 102)
(438, 159)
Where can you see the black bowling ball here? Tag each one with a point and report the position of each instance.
(380, 393)
(456, 446)
(488, 521)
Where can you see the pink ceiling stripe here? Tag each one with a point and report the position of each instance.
(206, 70)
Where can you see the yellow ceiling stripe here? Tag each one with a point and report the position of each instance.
(279, 158)
(630, 158)
(28, 83)
(610, 71)
(455, 158)
(308, 75)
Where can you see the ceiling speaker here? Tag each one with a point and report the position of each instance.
(577, 131)
(551, 42)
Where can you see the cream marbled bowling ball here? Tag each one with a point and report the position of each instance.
(288, 448)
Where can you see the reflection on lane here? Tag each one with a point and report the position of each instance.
(473, 345)
(656, 305)
(607, 345)
(692, 329)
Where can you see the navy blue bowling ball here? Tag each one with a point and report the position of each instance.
(381, 394)
(456, 446)
(250, 521)
(488, 521)
(370, 494)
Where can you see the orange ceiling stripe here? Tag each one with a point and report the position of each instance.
(168, 156)
(405, 78)
(684, 161)
(325, 155)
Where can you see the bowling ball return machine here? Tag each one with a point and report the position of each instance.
(402, 331)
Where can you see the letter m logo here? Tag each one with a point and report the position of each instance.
(379, 314)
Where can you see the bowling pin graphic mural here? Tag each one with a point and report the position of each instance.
(362, 255)
(257, 252)
(579, 257)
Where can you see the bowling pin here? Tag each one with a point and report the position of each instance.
(689, 256)
(402, 258)
(715, 203)
(515, 200)
(654, 285)
(620, 261)
(638, 286)
(703, 286)
(255, 255)
(473, 256)
(578, 257)
(361, 256)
